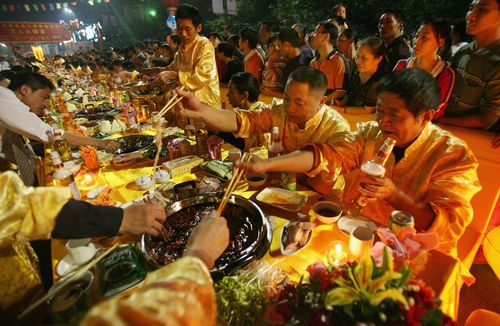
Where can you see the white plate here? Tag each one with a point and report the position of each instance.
(288, 200)
(65, 266)
(95, 192)
(347, 223)
(289, 252)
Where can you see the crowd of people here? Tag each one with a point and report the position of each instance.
(318, 76)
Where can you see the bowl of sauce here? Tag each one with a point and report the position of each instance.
(327, 212)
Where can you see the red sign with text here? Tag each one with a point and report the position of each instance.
(17, 32)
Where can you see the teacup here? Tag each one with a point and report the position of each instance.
(80, 250)
(327, 212)
(360, 241)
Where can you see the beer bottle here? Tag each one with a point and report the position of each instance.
(61, 146)
(374, 168)
(62, 177)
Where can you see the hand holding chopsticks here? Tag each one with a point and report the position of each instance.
(238, 172)
(170, 104)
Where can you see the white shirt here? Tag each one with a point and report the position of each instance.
(16, 117)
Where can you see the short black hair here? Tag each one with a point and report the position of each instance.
(330, 29)
(271, 26)
(415, 86)
(314, 78)
(251, 35)
(187, 11)
(397, 14)
(226, 48)
(246, 82)
(289, 36)
(34, 80)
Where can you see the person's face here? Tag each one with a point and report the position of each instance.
(187, 31)
(340, 11)
(273, 49)
(425, 42)
(343, 43)
(396, 121)
(35, 100)
(264, 34)
(318, 37)
(300, 103)
(483, 17)
(234, 96)
(365, 60)
(388, 26)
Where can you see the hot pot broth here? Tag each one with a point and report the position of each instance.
(243, 233)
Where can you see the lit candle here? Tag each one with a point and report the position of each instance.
(336, 254)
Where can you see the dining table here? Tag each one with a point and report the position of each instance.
(439, 273)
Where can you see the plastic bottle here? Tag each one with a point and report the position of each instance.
(62, 177)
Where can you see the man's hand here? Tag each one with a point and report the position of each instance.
(143, 218)
(255, 165)
(109, 145)
(190, 107)
(374, 188)
(209, 239)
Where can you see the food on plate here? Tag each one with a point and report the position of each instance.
(104, 198)
(179, 147)
(281, 198)
(89, 157)
(206, 185)
(296, 234)
(218, 168)
(107, 127)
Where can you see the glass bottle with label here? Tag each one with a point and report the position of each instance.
(61, 146)
(62, 177)
(354, 201)
(276, 149)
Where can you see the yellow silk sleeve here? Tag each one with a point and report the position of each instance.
(28, 213)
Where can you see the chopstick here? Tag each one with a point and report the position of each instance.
(170, 104)
(238, 172)
(71, 278)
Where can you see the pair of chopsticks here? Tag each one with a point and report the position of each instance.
(238, 172)
(70, 279)
(170, 104)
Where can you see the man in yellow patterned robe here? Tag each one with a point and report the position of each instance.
(194, 64)
(431, 173)
(302, 118)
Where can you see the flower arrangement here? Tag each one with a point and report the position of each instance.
(357, 293)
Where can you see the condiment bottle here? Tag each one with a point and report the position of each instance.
(63, 177)
(276, 149)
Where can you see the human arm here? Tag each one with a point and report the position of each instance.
(77, 140)
(215, 120)
(79, 219)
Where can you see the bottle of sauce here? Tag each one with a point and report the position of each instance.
(276, 149)
(61, 146)
(62, 177)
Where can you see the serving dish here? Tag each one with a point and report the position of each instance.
(250, 232)
(281, 198)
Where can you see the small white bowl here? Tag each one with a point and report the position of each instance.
(162, 176)
(73, 165)
(327, 212)
(256, 180)
(144, 182)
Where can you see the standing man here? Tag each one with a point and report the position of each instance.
(475, 99)
(391, 29)
(306, 52)
(333, 64)
(267, 29)
(194, 65)
(254, 61)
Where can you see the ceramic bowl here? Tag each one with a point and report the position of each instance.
(327, 212)
(162, 176)
(144, 182)
(256, 180)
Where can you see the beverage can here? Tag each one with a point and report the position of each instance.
(288, 181)
(399, 220)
